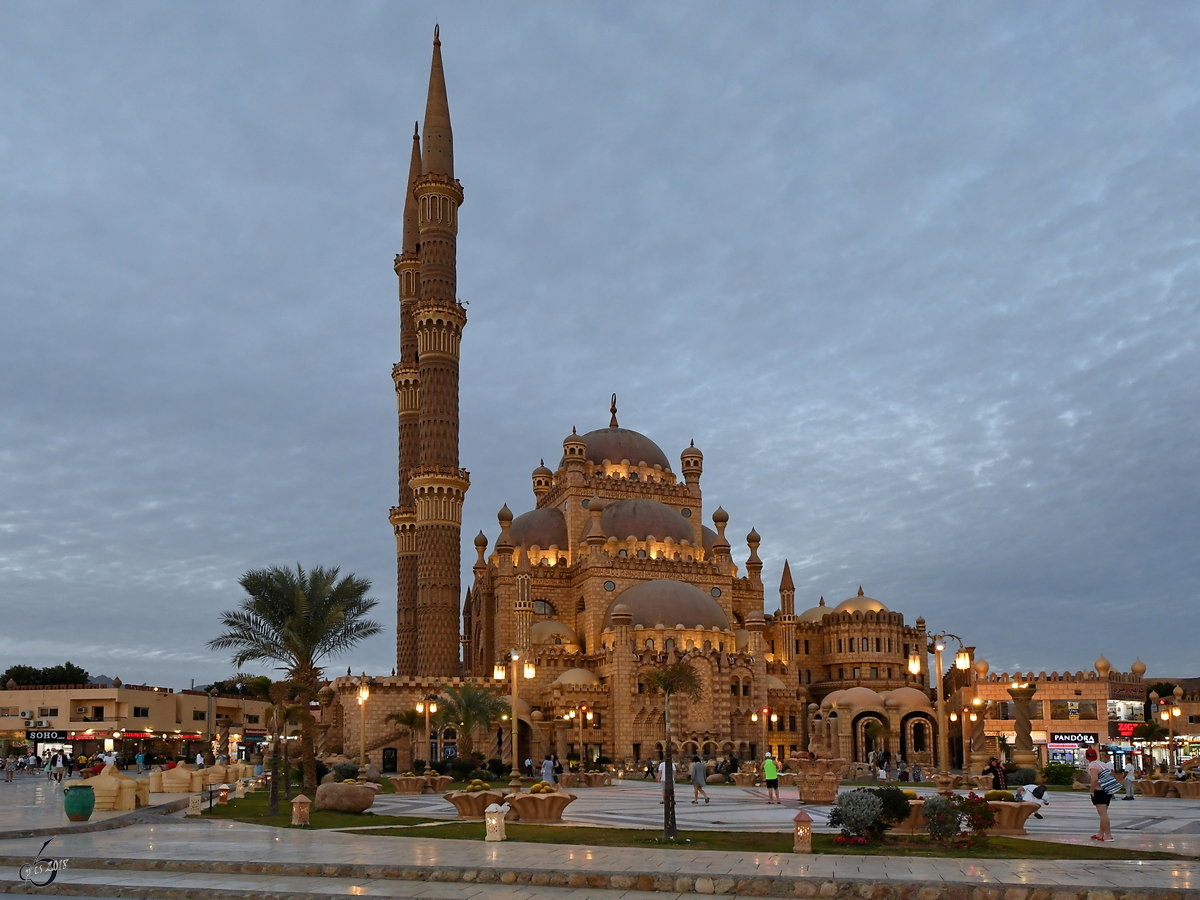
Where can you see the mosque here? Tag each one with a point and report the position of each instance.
(611, 574)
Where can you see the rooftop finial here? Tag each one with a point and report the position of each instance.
(860, 590)
(612, 423)
(436, 29)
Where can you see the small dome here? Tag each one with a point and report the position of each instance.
(616, 444)
(720, 516)
(668, 602)
(505, 514)
(1138, 668)
(910, 698)
(577, 676)
(481, 541)
(774, 684)
(741, 639)
(642, 518)
(981, 667)
(541, 527)
(1102, 666)
(523, 707)
(691, 452)
(860, 604)
(832, 698)
(753, 537)
(816, 614)
(858, 697)
(709, 537)
(550, 631)
(542, 472)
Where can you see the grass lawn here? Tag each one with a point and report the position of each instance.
(253, 809)
(766, 842)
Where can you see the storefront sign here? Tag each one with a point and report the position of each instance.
(254, 732)
(31, 735)
(139, 734)
(1074, 737)
(1124, 729)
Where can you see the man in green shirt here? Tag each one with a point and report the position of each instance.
(771, 776)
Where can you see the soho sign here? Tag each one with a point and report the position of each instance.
(1074, 737)
(45, 735)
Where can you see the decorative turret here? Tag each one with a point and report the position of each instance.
(721, 544)
(787, 616)
(543, 480)
(692, 462)
(574, 456)
(594, 536)
(504, 544)
(524, 604)
(754, 565)
(1103, 666)
(1138, 668)
(481, 543)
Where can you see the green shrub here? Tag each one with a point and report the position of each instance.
(418, 766)
(481, 775)
(1021, 777)
(497, 767)
(1007, 796)
(345, 771)
(857, 813)
(958, 820)
(895, 806)
(460, 768)
(441, 767)
(1059, 773)
(604, 760)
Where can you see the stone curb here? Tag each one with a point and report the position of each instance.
(746, 886)
(133, 818)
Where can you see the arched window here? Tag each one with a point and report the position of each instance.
(669, 644)
(649, 643)
(543, 608)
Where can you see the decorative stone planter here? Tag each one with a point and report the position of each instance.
(915, 823)
(344, 797)
(744, 779)
(787, 779)
(717, 778)
(540, 808)
(156, 784)
(571, 780)
(1188, 790)
(1154, 787)
(471, 804)
(79, 801)
(818, 788)
(946, 784)
(1011, 816)
(408, 784)
(598, 779)
(438, 783)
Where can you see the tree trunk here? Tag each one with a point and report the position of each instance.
(287, 769)
(308, 679)
(670, 829)
(273, 808)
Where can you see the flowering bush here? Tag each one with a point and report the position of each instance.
(850, 839)
(957, 820)
(857, 814)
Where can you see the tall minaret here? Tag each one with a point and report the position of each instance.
(407, 381)
(438, 484)
(787, 616)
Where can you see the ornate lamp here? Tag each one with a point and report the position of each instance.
(493, 818)
(499, 673)
(914, 662)
(223, 794)
(802, 833)
(530, 670)
(300, 810)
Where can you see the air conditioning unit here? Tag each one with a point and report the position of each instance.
(29, 723)
(27, 714)
(43, 723)
(80, 709)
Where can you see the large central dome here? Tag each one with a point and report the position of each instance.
(641, 518)
(669, 603)
(616, 444)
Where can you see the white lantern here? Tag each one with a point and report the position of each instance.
(802, 833)
(493, 818)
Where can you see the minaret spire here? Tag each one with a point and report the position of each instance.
(411, 223)
(439, 138)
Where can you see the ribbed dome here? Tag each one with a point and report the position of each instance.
(642, 518)
(616, 444)
(816, 614)
(860, 604)
(670, 603)
(542, 527)
(549, 631)
(577, 676)
(909, 698)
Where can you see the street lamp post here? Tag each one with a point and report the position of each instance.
(1170, 710)
(428, 705)
(763, 715)
(962, 660)
(364, 691)
(580, 712)
(212, 696)
(498, 672)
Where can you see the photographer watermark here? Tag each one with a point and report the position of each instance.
(43, 870)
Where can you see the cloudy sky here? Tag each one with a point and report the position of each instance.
(919, 279)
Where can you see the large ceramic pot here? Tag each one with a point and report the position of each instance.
(79, 802)
(1188, 790)
(437, 783)
(408, 784)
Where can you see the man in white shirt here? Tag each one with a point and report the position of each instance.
(1130, 779)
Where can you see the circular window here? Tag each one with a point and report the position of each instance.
(633, 476)
(587, 503)
(610, 586)
(622, 553)
(641, 554)
(716, 592)
(687, 513)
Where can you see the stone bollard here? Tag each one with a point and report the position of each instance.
(239, 790)
(195, 806)
(223, 794)
(300, 809)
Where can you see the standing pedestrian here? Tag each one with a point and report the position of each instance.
(10, 767)
(699, 775)
(200, 760)
(771, 777)
(887, 769)
(548, 770)
(59, 762)
(916, 773)
(1100, 797)
(999, 778)
(1130, 778)
(140, 759)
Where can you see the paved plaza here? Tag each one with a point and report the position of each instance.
(178, 857)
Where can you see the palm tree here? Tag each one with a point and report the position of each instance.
(410, 720)
(1150, 731)
(297, 619)
(677, 678)
(471, 708)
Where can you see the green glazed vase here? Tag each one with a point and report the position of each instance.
(79, 800)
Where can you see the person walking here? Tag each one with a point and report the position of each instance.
(996, 770)
(58, 763)
(916, 773)
(10, 767)
(1100, 797)
(199, 760)
(140, 759)
(699, 775)
(548, 770)
(771, 777)
(1130, 778)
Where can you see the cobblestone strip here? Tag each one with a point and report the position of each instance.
(774, 886)
(141, 817)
